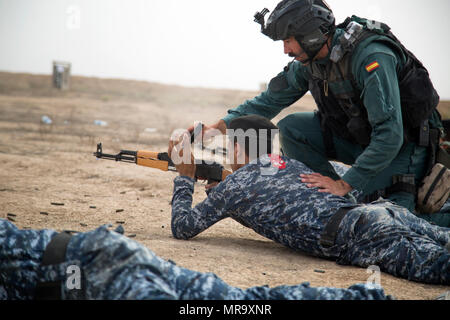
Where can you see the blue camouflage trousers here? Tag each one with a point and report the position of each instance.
(398, 242)
(115, 268)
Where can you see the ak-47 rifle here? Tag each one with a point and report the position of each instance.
(211, 172)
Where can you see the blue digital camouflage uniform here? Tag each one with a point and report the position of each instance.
(115, 267)
(269, 197)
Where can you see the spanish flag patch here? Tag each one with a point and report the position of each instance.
(373, 66)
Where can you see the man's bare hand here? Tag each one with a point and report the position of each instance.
(326, 184)
(212, 130)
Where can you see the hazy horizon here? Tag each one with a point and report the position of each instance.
(201, 43)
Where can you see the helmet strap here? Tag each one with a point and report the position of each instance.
(310, 53)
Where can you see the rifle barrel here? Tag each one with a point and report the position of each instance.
(118, 157)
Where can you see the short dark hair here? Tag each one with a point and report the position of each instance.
(256, 127)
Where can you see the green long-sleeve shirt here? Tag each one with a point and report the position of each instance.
(379, 92)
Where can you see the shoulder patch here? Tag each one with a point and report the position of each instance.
(277, 162)
(373, 66)
(279, 83)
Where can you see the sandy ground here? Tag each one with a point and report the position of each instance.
(43, 164)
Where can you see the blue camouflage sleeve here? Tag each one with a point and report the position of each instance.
(188, 222)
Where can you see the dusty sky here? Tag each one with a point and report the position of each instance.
(207, 43)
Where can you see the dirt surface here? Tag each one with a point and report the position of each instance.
(43, 165)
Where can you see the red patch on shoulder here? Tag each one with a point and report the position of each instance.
(277, 161)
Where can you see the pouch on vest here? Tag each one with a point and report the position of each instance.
(418, 96)
(435, 190)
(360, 130)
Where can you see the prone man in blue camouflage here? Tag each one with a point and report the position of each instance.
(266, 194)
(105, 265)
(376, 103)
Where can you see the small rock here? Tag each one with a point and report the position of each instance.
(44, 213)
(123, 192)
(101, 123)
(120, 222)
(92, 207)
(46, 120)
(132, 236)
(83, 224)
(11, 215)
(119, 210)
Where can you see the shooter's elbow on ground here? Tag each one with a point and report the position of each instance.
(177, 232)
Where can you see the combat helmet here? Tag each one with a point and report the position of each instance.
(309, 21)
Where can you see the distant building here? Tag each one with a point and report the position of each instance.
(61, 75)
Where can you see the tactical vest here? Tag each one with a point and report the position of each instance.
(337, 95)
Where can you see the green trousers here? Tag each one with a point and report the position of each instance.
(301, 139)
